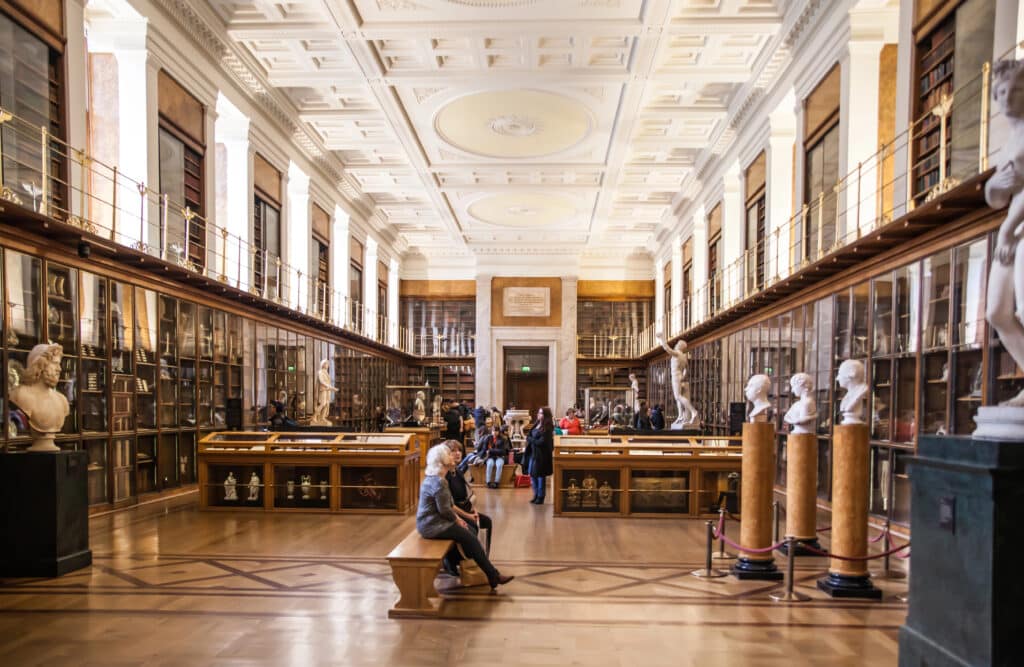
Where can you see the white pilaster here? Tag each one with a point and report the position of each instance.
(905, 88)
(138, 129)
(733, 233)
(339, 266)
(858, 137)
(214, 239)
(779, 190)
(370, 287)
(296, 238)
(677, 287)
(393, 315)
(234, 203)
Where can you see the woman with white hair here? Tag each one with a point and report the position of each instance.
(435, 518)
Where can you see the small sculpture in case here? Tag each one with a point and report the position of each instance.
(231, 487)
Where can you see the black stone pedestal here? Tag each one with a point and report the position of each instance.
(763, 570)
(967, 524)
(801, 548)
(44, 514)
(845, 586)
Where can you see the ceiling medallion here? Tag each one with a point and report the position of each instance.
(493, 4)
(512, 125)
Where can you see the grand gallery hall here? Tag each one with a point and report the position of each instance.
(511, 332)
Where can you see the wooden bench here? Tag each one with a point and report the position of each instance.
(414, 565)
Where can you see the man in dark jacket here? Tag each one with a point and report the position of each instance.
(657, 418)
(453, 422)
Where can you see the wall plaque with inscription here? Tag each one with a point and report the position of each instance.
(526, 301)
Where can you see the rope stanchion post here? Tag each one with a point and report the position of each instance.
(708, 572)
(790, 595)
(722, 553)
(848, 575)
(754, 552)
(887, 572)
(775, 521)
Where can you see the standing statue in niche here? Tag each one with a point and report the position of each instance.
(323, 403)
(851, 378)
(803, 414)
(1006, 278)
(38, 398)
(756, 392)
(687, 415)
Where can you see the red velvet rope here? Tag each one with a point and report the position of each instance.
(856, 558)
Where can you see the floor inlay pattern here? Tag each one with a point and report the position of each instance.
(180, 587)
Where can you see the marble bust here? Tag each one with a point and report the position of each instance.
(38, 398)
(803, 414)
(757, 393)
(323, 403)
(1004, 188)
(851, 378)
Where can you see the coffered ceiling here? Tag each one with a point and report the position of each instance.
(480, 126)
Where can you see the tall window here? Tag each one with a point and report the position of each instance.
(667, 300)
(715, 259)
(355, 282)
(756, 238)
(31, 89)
(382, 291)
(321, 256)
(182, 146)
(821, 167)
(687, 286)
(266, 228)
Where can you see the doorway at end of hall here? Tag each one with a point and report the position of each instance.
(526, 378)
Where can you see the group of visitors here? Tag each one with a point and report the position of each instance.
(446, 509)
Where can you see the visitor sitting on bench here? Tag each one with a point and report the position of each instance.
(462, 497)
(435, 518)
(495, 452)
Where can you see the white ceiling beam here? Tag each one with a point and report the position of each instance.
(325, 116)
(245, 31)
(314, 78)
(527, 187)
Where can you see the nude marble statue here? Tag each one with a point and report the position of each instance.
(1005, 309)
(684, 409)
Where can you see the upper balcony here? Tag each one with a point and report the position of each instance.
(74, 198)
(881, 204)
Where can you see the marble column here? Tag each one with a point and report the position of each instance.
(659, 295)
(339, 267)
(394, 317)
(698, 298)
(296, 239)
(779, 192)
(677, 287)
(733, 234)
(370, 287)
(234, 190)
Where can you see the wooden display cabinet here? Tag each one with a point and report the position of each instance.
(646, 476)
(423, 438)
(370, 473)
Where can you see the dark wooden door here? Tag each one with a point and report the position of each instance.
(528, 391)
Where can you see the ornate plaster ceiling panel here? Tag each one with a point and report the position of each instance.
(514, 124)
(480, 124)
(524, 210)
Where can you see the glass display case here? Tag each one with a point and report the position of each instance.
(612, 407)
(656, 491)
(94, 381)
(369, 487)
(147, 359)
(235, 485)
(301, 486)
(187, 363)
(593, 490)
(96, 475)
(122, 358)
(410, 405)
(168, 362)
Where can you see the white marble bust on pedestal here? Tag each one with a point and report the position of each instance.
(757, 393)
(803, 414)
(851, 378)
(38, 398)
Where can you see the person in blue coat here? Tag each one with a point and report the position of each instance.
(540, 449)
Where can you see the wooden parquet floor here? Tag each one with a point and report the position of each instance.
(173, 586)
